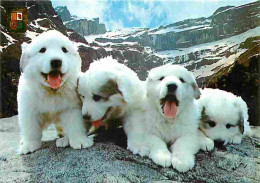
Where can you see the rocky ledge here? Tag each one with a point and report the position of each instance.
(109, 161)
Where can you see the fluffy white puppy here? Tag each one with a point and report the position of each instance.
(224, 118)
(108, 90)
(47, 94)
(170, 116)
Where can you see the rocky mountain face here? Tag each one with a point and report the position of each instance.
(82, 26)
(86, 27)
(64, 13)
(222, 9)
(225, 22)
(242, 78)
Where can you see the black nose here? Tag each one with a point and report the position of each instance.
(172, 87)
(87, 117)
(219, 143)
(55, 64)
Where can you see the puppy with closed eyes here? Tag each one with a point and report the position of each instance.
(170, 117)
(108, 91)
(224, 118)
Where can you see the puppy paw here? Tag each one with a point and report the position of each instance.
(81, 142)
(29, 146)
(138, 148)
(206, 144)
(62, 142)
(183, 163)
(162, 158)
(236, 139)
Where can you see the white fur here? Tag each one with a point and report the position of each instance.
(36, 99)
(149, 131)
(130, 88)
(223, 108)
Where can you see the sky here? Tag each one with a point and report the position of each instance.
(116, 14)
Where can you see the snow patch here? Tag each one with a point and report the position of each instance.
(209, 70)
(174, 29)
(216, 46)
(118, 34)
(31, 34)
(9, 39)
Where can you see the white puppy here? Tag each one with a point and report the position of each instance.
(170, 117)
(108, 90)
(224, 118)
(47, 94)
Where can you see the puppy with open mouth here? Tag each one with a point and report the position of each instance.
(170, 116)
(224, 119)
(50, 66)
(108, 91)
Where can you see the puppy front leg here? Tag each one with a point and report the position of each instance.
(159, 152)
(136, 143)
(75, 132)
(134, 129)
(206, 144)
(183, 151)
(31, 132)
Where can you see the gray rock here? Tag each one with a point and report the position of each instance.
(108, 162)
(86, 27)
(63, 12)
(82, 26)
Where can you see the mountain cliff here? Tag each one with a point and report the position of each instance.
(223, 23)
(82, 26)
(64, 13)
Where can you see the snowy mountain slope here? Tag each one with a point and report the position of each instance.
(202, 59)
(222, 39)
(223, 24)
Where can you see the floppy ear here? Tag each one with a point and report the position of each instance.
(203, 111)
(204, 117)
(241, 123)
(196, 89)
(110, 88)
(243, 116)
(24, 57)
(130, 88)
(77, 83)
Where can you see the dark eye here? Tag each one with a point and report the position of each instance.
(64, 50)
(42, 50)
(211, 123)
(229, 126)
(96, 97)
(161, 78)
(182, 80)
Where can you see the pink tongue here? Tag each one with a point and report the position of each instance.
(54, 81)
(170, 109)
